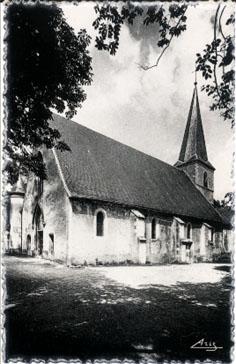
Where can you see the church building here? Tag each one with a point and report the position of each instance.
(104, 202)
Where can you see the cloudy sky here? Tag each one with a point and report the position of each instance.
(148, 109)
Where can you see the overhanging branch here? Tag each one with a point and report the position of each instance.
(145, 68)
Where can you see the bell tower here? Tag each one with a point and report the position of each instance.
(193, 159)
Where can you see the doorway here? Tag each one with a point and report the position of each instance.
(51, 244)
(186, 254)
(28, 243)
(40, 242)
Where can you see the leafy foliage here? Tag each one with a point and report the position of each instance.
(48, 65)
(108, 23)
(228, 201)
(171, 21)
(216, 64)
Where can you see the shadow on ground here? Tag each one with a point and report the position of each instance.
(56, 312)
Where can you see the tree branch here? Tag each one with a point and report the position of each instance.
(220, 26)
(221, 30)
(216, 53)
(145, 68)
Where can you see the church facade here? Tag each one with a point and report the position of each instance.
(106, 203)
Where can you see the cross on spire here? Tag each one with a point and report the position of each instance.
(195, 82)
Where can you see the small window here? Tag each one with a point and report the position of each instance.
(205, 180)
(100, 223)
(212, 234)
(226, 242)
(153, 228)
(189, 228)
(177, 231)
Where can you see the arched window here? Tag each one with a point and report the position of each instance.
(205, 179)
(153, 228)
(189, 228)
(38, 218)
(100, 224)
(40, 177)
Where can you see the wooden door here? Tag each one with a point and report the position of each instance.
(142, 253)
(40, 242)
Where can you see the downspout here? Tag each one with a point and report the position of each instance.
(69, 219)
(21, 224)
(67, 240)
(21, 234)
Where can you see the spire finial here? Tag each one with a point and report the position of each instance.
(195, 82)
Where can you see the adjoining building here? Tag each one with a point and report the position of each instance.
(104, 202)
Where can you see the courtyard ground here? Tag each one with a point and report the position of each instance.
(136, 312)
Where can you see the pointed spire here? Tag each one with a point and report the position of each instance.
(193, 145)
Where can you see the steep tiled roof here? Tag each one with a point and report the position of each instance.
(193, 145)
(101, 168)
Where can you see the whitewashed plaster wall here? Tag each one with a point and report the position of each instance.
(119, 242)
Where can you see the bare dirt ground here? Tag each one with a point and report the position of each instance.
(149, 312)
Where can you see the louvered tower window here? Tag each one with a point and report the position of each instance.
(205, 180)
